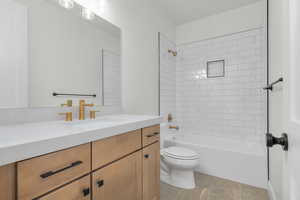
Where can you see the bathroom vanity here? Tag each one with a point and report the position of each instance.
(113, 157)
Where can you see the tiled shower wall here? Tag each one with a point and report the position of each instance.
(231, 107)
(167, 78)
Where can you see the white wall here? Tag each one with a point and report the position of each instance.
(140, 22)
(241, 19)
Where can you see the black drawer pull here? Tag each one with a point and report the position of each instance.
(100, 183)
(146, 156)
(86, 192)
(152, 135)
(51, 173)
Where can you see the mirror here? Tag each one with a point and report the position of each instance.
(47, 50)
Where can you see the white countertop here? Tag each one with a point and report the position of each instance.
(23, 141)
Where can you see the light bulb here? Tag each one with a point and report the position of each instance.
(68, 4)
(87, 14)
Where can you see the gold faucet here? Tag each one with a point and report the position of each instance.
(93, 114)
(82, 106)
(69, 116)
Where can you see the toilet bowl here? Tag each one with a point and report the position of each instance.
(177, 166)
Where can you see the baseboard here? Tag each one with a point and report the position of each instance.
(272, 195)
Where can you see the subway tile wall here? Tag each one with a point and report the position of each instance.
(231, 107)
(167, 78)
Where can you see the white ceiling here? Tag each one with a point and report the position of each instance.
(182, 11)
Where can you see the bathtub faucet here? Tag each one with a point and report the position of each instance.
(174, 127)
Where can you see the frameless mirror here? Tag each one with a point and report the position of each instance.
(50, 49)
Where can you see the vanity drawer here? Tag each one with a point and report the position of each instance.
(79, 190)
(39, 175)
(110, 149)
(151, 134)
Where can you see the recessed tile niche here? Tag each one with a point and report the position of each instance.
(215, 68)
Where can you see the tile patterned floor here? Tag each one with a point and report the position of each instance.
(219, 189)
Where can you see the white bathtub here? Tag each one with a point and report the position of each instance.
(243, 162)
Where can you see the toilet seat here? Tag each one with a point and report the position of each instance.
(180, 153)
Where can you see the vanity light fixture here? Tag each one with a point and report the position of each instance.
(87, 14)
(67, 4)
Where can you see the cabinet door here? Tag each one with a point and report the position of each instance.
(151, 172)
(79, 190)
(120, 180)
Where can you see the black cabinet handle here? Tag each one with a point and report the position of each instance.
(51, 173)
(100, 183)
(146, 156)
(86, 192)
(152, 135)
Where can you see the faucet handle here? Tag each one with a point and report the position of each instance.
(69, 103)
(69, 116)
(93, 114)
(82, 103)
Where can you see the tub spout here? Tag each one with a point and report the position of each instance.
(174, 127)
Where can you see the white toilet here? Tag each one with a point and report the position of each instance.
(177, 166)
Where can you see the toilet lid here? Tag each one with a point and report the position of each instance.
(180, 152)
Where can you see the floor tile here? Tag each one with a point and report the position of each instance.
(218, 189)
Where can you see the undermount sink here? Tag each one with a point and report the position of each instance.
(88, 122)
(102, 121)
(94, 123)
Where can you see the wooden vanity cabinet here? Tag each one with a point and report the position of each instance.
(120, 180)
(125, 166)
(151, 172)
